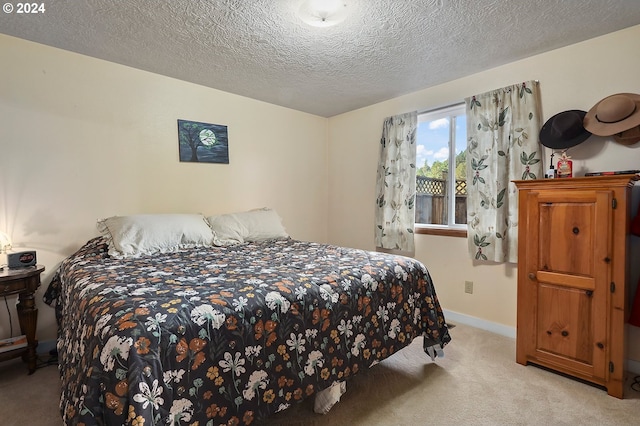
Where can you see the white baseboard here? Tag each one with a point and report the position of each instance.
(493, 327)
(503, 330)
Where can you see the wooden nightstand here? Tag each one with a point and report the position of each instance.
(24, 282)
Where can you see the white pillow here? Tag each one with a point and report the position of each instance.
(253, 225)
(136, 235)
(227, 229)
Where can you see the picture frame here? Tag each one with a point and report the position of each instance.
(203, 142)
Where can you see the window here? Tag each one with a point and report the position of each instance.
(441, 189)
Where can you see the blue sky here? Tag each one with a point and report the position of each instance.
(433, 140)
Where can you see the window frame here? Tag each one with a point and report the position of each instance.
(456, 229)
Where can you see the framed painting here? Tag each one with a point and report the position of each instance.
(203, 142)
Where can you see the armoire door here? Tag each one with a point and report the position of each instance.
(571, 234)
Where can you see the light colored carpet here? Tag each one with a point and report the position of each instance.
(478, 382)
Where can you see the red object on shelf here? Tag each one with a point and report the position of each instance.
(565, 166)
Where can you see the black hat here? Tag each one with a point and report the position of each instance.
(564, 130)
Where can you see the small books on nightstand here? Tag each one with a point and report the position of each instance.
(13, 343)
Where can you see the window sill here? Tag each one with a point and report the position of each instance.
(445, 232)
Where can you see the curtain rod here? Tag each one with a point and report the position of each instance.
(455, 104)
(441, 108)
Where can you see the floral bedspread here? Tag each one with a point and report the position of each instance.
(229, 335)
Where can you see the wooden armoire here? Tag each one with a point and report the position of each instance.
(572, 272)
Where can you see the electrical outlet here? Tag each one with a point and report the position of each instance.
(468, 287)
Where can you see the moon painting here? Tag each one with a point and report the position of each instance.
(203, 142)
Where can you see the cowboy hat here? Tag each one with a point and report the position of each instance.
(614, 114)
(564, 130)
(628, 137)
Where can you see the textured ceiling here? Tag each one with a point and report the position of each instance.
(261, 48)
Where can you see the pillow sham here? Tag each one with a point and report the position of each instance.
(249, 226)
(143, 234)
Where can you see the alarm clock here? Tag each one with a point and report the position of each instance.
(21, 259)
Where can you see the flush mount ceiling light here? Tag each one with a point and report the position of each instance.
(323, 13)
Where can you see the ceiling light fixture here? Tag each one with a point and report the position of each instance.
(323, 13)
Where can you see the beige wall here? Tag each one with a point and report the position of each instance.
(83, 139)
(575, 77)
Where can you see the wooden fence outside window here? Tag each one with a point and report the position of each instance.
(431, 201)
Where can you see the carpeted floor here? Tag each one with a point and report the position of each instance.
(478, 382)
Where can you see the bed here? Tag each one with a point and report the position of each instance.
(228, 333)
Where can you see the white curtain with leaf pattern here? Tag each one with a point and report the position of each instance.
(396, 183)
(502, 131)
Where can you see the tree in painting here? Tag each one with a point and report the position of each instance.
(203, 142)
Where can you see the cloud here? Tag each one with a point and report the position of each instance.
(422, 154)
(429, 155)
(439, 124)
(442, 154)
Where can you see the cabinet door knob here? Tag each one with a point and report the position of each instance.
(564, 333)
(532, 276)
(600, 345)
